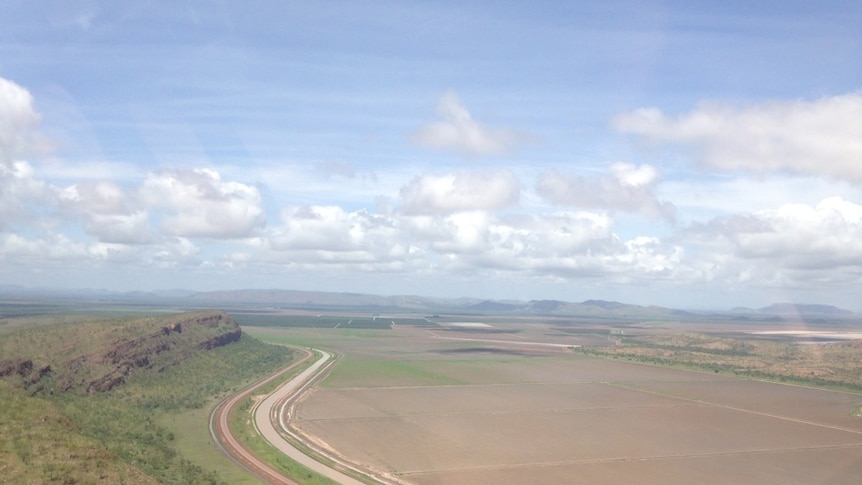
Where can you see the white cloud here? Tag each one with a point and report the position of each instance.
(18, 123)
(58, 252)
(177, 252)
(25, 251)
(21, 193)
(460, 192)
(649, 256)
(462, 233)
(329, 235)
(100, 197)
(630, 175)
(459, 132)
(564, 245)
(133, 228)
(822, 137)
(328, 228)
(460, 226)
(472, 243)
(116, 253)
(630, 188)
(198, 203)
(709, 197)
(791, 245)
(110, 212)
(828, 235)
(187, 203)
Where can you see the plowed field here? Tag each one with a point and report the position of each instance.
(433, 411)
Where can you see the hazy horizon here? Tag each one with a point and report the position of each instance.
(688, 155)
(61, 292)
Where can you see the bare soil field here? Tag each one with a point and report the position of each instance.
(432, 410)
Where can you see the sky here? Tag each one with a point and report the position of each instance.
(691, 154)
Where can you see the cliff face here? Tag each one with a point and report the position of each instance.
(96, 357)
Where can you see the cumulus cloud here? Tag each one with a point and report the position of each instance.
(549, 242)
(177, 252)
(461, 234)
(561, 245)
(18, 123)
(331, 236)
(794, 245)
(21, 192)
(460, 133)
(53, 247)
(821, 137)
(133, 228)
(109, 212)
(460, 192)
(330, 228)
(100, 197)
(198, 203)
(567, 244)
(629, 188)
(184, 203)
(463, 223)
(20, 188)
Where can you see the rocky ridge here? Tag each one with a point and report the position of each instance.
(100, 356)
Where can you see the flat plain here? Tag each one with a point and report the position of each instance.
(517, 403)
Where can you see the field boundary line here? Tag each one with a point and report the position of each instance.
(593, 461)
(738, 409)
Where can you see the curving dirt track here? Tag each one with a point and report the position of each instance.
(272, 410)
(220, 432)
(266, 413)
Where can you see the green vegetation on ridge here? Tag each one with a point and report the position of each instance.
(112, 434)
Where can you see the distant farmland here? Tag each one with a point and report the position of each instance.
(260, 319)
(431, 410)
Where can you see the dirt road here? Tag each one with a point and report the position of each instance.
(271, 410)
(267, 412)
(231, 446)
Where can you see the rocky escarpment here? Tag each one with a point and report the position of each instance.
(24, 369)
(96, 357)
(163, 348)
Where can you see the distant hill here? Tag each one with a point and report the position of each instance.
(318, 300)
(545, 306)
(742, 310)
(803, 309)
(16, 300)
(605, 305)
(488, 306)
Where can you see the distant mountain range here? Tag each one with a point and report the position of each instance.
(596, 308)
(356, 301)
(321, 300)
(795, 309)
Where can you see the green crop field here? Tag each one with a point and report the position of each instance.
(311, 321)
(386, 373)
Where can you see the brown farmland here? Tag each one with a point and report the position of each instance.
(477, 410)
